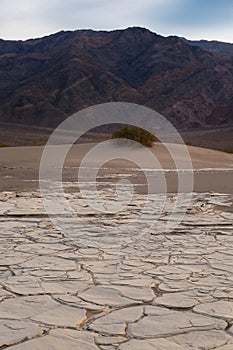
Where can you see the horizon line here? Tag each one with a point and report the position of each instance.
(109, 31)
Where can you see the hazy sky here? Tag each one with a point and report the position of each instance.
(193, 19)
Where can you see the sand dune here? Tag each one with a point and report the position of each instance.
(19, 166)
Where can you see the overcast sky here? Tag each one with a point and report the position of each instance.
(193, 19)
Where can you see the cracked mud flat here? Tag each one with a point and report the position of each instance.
(101, 285)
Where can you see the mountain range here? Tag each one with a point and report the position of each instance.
(43, 81)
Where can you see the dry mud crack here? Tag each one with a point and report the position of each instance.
(102, 287)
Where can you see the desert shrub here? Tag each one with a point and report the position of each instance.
(3, 144)
(136, 134)
(189, 143)
(228, 150)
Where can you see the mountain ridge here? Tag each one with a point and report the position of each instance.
(220, 48)
(44, 80)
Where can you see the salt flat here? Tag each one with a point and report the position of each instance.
(116, 281)
(101, 284)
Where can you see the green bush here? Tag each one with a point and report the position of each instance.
(136, 134)
(189, 143)
(228, 150)
(3, 144)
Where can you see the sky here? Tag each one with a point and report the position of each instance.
(193, 19)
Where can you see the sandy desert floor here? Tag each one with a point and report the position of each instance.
(213, 170)
(116, 281)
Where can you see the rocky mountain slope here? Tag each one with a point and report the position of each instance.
(43, 81)
(216, 47)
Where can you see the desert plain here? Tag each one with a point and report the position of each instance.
(116, 281)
